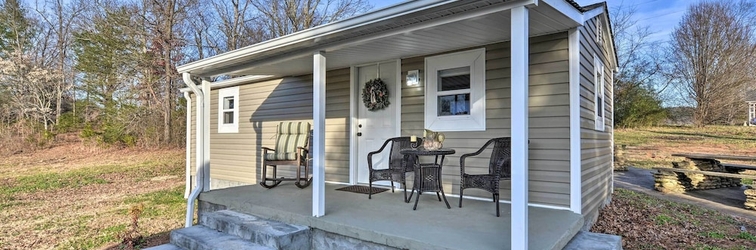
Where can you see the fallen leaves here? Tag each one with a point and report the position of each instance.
(646, 222)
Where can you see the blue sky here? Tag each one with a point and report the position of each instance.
(660, 15)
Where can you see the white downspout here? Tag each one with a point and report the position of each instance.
(188, 171)
(199, 148)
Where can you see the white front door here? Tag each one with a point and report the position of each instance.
(374, 127)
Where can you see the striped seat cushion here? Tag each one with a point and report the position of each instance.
(289, 136)
(281, 156)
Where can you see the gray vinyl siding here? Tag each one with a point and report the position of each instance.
(236, 157)
(549, 119)
(596, 152)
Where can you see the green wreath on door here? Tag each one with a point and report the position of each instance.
(375, 95)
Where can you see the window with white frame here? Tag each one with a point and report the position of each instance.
(455, 91)
(598, 92)
(228, 110)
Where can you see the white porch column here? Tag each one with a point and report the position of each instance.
(576, 193)
(519, 129)
(206, 137)
(318, 135)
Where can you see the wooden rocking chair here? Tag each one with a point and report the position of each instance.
(293, 140)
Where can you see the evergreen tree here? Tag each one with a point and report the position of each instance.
(107, 61)
(16, 30)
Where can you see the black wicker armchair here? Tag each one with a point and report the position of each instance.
(398, 165)
(499, 168)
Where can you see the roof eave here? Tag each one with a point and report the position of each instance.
(315, 33)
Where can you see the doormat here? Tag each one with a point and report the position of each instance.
(362, 189)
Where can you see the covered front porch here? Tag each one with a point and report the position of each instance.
(387, 220)
(402, 33)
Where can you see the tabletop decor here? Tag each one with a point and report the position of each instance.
(433, 140)
(375, 95)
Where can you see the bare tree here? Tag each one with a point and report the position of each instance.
(279, 18)
(236, 24)
(31, 89)
(59, 18)
(166, 23)
(712, 57)
(638, 84)
(25, 82)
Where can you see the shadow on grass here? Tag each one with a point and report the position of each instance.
(148, 241)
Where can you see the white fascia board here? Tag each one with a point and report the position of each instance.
(594, 13)
(588, 15)
(567, 9)
(612, 53)
(235, 81)
(317, 32)
(240, 80)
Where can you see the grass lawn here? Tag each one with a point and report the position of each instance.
(77, 197)
(652, 147)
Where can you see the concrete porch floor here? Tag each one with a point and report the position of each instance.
(387, 220)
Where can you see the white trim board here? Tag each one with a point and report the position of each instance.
(352, 126)
(567, 9)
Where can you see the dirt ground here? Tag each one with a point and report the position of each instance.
(83, 215)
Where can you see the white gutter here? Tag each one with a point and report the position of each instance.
(200, 154)
(188, 170)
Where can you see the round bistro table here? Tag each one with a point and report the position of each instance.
(428, 175)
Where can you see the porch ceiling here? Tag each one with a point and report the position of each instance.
(450, 26)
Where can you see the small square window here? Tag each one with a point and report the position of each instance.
(228, 111)
(456, 91)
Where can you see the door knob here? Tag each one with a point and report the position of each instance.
(359, 125)
(359, 133)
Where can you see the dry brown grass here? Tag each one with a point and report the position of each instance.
(77, 197)
(652, 147)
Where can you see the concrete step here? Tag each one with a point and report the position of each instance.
(205, 238)
(164, 247)
(268, 233)
(585, 240)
